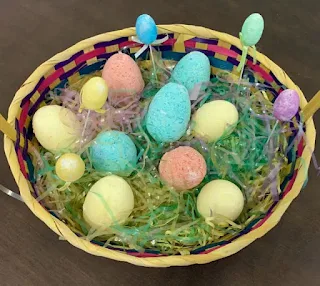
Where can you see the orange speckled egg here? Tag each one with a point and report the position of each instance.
(123, 78)
(182, 168)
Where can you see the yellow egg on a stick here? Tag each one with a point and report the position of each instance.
(70, 167)
(94, 94)
(213, 119)
(220, 198)
(110, 201)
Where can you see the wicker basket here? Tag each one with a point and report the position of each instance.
(88, 56)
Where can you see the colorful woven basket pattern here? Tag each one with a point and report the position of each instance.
(223, 57)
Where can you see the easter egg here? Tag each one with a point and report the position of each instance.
(94, 93)
(146, 29)
(252, 29)
(56, 128)
(214, 119)
(182, 168)
(70, 167)
(123, 78)
(193, 68)
(113, 151)
(220, 197)
(109, 201)
(169, 113)
(286, 105)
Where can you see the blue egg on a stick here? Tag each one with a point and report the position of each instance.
(146, 29)
(113, 151)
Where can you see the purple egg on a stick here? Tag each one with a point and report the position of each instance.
(286, 105)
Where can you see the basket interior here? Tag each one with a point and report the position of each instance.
(223, 57)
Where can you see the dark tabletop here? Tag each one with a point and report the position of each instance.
(31, 31)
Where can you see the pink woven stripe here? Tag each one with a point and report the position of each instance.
(50, 79)
(212, 249)
(24, 115)
(169, 42)
(189, 44)
(261, 71)
(87, 56)
(129, 44)
(290, 183)
(300, 147)
(222, 51)
(260, 223)
(21, 163)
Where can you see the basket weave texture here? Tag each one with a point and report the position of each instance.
(224, 52)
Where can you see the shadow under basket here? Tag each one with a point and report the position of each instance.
(88, 56)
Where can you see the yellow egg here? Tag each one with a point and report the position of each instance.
(70, 167)
(213, 119)
(220, 197)
(56, 128)
(94, 94)
(109, 201)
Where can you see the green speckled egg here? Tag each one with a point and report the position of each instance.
(252, 29)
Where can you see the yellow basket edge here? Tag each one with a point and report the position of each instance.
(62, 230)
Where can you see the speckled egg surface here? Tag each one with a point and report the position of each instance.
(123, 78)
(286, 105)
(182, 168)
(169, 113)
(193, 68)
(113, 151)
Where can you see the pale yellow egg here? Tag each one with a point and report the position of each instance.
(220, 197)
(70, 167)
(109, 201)
(213, 119)
(94, 93)
(56, 128)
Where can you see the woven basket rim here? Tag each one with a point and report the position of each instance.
(186, 32)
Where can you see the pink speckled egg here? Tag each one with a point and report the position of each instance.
(182, 168)
(123, 78)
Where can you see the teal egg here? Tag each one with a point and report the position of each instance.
(113, 151)
(193, 68)
(169, 113)
(252, 29)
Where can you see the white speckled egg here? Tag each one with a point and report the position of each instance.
(193, 68)
(56, 128)
(109, 201)
(169, 113)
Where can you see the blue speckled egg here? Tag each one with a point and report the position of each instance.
(113, 151)
(193, 68)
(169, 113)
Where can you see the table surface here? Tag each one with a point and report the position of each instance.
(31, 31)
